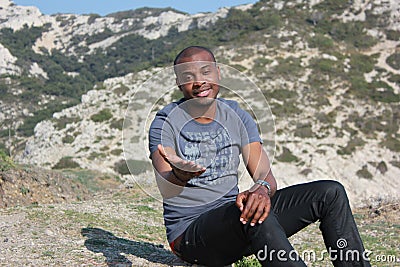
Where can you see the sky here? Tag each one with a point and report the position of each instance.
(104, 7)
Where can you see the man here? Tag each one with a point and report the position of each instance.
(195, 145)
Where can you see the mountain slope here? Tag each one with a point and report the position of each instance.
(329, 71)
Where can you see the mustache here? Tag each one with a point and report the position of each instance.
(201, 87)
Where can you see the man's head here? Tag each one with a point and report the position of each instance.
(197, 74)
(190, 51)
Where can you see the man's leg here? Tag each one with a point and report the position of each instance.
(298, 206)
(218, 238)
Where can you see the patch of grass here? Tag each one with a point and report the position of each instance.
(92, 180)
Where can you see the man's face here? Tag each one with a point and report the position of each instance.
(197, 77)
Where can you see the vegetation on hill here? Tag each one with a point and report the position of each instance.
(70, 76)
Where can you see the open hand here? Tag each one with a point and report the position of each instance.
(183, 169)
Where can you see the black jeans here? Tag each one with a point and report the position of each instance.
(218, 238)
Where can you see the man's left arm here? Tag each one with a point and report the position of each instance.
(255, 203)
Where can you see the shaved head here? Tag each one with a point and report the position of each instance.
(190, 51)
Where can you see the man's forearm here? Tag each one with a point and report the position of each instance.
(169, 184)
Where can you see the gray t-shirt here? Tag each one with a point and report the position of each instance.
(215, 145)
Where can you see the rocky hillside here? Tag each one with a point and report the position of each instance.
(329, 71)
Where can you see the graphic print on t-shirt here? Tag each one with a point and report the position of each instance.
(210, 146)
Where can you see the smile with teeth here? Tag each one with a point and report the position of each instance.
(204, 93)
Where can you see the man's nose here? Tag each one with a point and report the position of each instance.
(199, 82)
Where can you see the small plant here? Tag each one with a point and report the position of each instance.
(247, 262)
(6, 162)
(103, 115)
(24, 190)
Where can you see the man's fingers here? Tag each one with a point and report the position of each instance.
(240, 200)
(256, 209)
(265, 214)
(258, 214)
(248, 210)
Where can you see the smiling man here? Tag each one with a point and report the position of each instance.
(195, 145)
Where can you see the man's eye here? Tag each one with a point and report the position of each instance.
(188, 78)
(207, 72)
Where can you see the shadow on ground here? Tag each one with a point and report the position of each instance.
(114, 248)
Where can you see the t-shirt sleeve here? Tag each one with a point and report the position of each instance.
(160, 132)
(249, 129)
(252, 134)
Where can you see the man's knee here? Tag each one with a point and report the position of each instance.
(334, 192)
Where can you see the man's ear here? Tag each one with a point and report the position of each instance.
(219, 73)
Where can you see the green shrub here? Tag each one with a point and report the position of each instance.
(66, 163)
(62, 122)
(322, 42)
(135, 166)
(289, 67)
(96, 155)
(393, 35)
(116, 152)
(92, 18)
(281, 94)
(259, 66)
(103, 115)
(289, 108)
(117, 124)
(362, 63)
(121, 90)
(395, 78)
(6, 162)
(394, 61)
(68, 139)
(353, 33)
(392, 143)
(287, 156)
(364, 173)
(303, 130)
(247, 262)
(351, 146)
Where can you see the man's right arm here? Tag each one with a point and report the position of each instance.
(172, 172)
